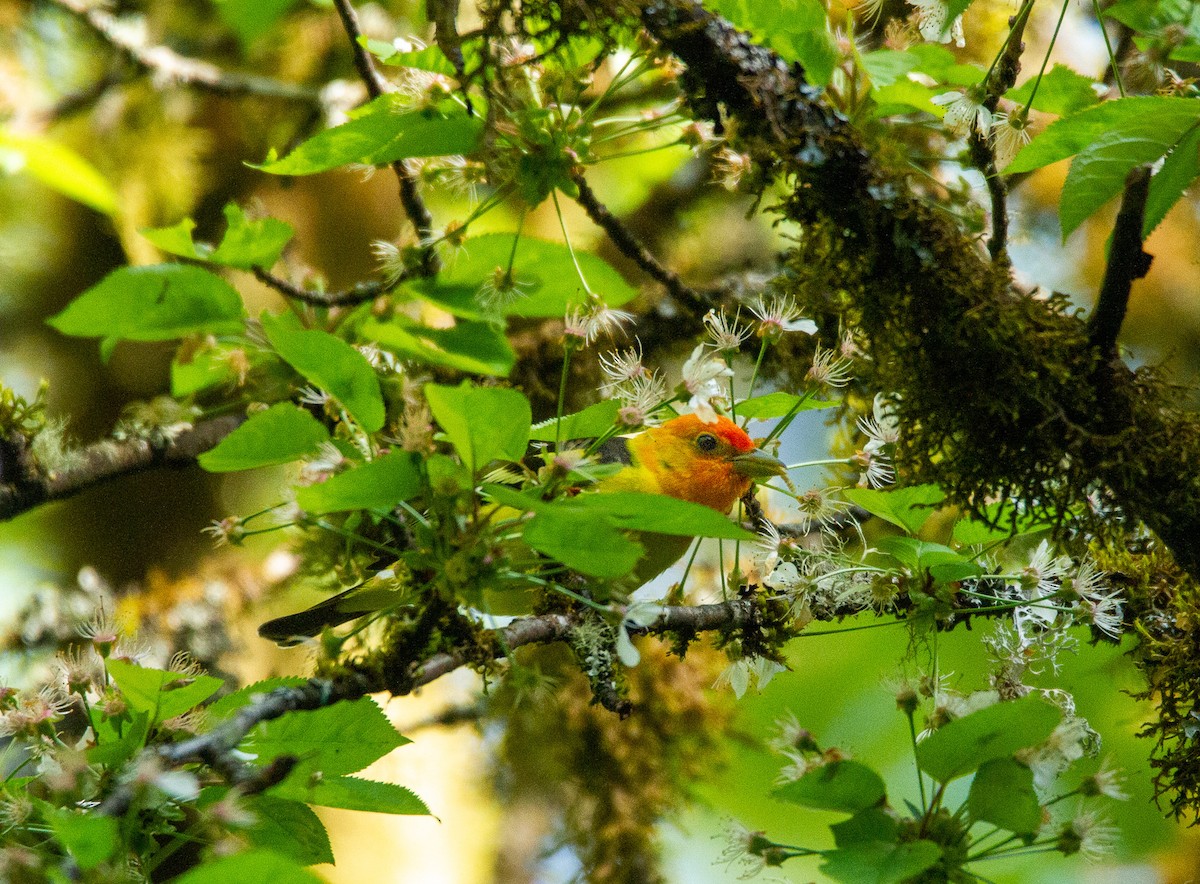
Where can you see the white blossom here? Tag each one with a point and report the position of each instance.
(703, 374)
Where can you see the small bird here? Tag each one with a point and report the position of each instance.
(711, 464)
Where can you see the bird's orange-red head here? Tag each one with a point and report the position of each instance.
(707, 463)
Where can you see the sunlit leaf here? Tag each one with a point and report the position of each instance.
(383, 132)
(772, 405)
(161, 693)
(281, 434)
(250, 865)
(476, 347)
(156, 303)
(380, 484)
(1061, 91)
(997, 731)
(58, 167)
(331, 364)
(482, 423)
(848, 786)
(1002, 794)
(90, 838)
(881, 863)
(288, 827)
(1176, 175)
(544, 272)
(587, 424)
(907, 508)
(245, 244)
(353, 793)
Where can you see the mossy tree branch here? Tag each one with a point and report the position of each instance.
(998, 391)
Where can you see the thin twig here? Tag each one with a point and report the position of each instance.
(410, 197)
(1126, 262)
(360, 294)
(100, 462)
(983, 155)
(624, 239)
(169, 66)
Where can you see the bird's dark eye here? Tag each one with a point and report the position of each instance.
(706, 442)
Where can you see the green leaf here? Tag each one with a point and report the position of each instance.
(998, 731)
(58, 167)
(921, 555)
(590, 423)
(331, 364)
(281, 434)
(89, 837)
(157, 303)
(905, 96)
(796, 29)
(476, 347)
(289, 828)
(1062, 92)
(815, 49)
(352, 793)
(430, 58)
(907, 508)
(335, 740)
(383, 132)
(252, 19)
(158, 692)
(231, 702)
(778, 404)
(252, 865)
(585, 541)
(483, 423)
(246, 244)
(886, 66)
(543, 270)
(378, 485)
(954, 8)
(637, 511)
(1187, 53)
(869, 825)
(1075, 133)
(1178, 171)
(847, 786)
(881, 863)
(203, 371)
(116, 747)
(1098, 173)
(972, 532)
(1002, 794)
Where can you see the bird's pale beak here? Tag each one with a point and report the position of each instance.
(759, 465)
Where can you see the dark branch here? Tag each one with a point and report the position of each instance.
(1126, 262)
(169, 66)
(23, 486)
(630, 247)
(360, 294)
(983, 156)
(410, 198)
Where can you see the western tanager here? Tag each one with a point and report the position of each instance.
(711, 464)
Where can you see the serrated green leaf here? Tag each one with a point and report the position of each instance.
(1098, 173)
(1062, 91)
(90, 838)
(587, 424)
(582, 540)
(476, 347)
(281, 434)
(353, 793)
(58, 167)
(235, 700)
(335, 740)
(250, 865)
(847, 786)
(905, 96)
(636, 511)
(378, 485)
(115, 747)
(997, 731)
(1002, 794)
(156, 303)
(772, 405)
(245, 244)
(907, 508)
(483, 424)
(544, 272)
(881, 863)
(289, 828)
(158, 692)
(383, 132)
(1070, 135)
(331, 364)
(1178, 171)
